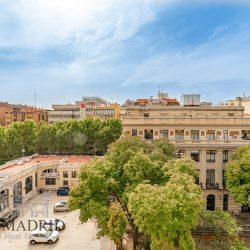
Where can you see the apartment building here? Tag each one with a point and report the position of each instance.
(239, 101)
(21, 179)
(113, 110)
(208, 134)
(18, 113)
(88, 107)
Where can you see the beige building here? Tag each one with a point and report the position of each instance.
(207, 134)
(88, 107)
(21, 179)
(239, 101)
(113, 110)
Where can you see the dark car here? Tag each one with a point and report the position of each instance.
(9, 217)
(62, 191)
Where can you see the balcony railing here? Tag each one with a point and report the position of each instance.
(212, 185)
(50, 175)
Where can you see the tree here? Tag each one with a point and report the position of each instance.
(223, 221)
(71, 137)
(3, 155)
(133, 173)
(238, 176)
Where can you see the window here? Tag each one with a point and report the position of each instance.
(134, 132)
(195, 134)
(180, 153)
(50, 181)
(65, 174)
(210, 134)
(28, 184)
(146, 114)
(148, 134)
(225, 135)
(195, 156)
(211, 202)
(225, 155)
(210, 156)
(179, 135)
(36, 179)
(4, 199)
(163, 134)
(210, 178)
(223, 179)
(230, 114)
(225, 202)
(65, 183)
(74, 174)
(245, 134)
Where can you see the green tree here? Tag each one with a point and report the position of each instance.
(130, 165)
(223, 221)
(3, 155)
(20, 136)
(45, 139)
(238, 175)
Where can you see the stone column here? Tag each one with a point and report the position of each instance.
(219, 168)
(203, 167)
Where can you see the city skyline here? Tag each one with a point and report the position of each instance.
(65, 50)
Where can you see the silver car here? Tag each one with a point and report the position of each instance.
(60, 207)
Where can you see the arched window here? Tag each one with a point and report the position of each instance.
(4, 199)
(28, 184)
(211, 202)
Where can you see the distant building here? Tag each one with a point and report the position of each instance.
(88, 107)
(239, 101)
(205, 133)
(18, 113)
(113, 110)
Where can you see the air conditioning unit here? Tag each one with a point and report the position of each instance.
(236, 213)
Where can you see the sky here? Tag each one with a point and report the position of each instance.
(65, 49)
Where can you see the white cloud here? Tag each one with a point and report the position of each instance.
(52, 22)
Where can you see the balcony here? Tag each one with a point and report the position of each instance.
(49, 175)
(212, 185)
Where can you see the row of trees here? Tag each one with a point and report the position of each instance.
(72, 137)
(140, 189)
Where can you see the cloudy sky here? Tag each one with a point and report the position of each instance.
(66, 49)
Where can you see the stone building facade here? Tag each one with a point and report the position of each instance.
(207, 134)
(22, 178)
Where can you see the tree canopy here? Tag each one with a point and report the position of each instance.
(134, 189)
(72, 137)
(238, 175)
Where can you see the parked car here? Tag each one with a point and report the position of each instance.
(62, 191)
(9, 217)
(60, 207)
(54, 224)
(43, 236)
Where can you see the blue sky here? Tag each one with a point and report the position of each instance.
(66, 49)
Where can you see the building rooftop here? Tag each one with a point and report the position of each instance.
(21, 164)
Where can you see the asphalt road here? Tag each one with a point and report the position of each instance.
(75, 236)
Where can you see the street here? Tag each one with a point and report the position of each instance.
(75, 236)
